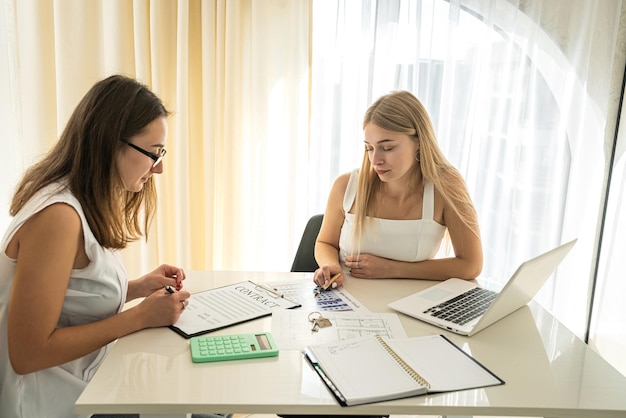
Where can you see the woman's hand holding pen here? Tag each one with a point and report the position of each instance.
(164, 275)
(164, 307)
(324, 274)
(172, 276)
(160, 307)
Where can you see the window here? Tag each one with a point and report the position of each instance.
(507, 104)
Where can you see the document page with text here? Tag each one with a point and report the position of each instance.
(220, 307)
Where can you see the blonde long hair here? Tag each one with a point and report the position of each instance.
(402, 112)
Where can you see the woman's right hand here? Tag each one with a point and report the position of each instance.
(162, 308)
(323, 274)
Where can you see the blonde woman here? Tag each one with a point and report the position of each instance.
(388, 219)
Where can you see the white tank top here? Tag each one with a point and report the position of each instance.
(403, 240)
(96, 292)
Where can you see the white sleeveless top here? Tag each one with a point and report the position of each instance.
(403, 240)
(96, 292)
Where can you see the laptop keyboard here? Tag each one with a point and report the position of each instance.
(465, 307)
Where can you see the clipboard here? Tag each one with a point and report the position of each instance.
(224, 306)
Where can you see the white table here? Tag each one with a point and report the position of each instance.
(548, 371)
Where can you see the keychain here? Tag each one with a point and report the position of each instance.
(318, 321)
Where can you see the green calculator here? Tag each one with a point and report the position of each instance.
(232, 347)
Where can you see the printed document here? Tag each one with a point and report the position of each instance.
(220, 307)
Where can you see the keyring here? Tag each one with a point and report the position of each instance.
(313, 318)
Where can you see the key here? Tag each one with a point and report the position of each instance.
(323, 322)
(320, 322)
(315, 327)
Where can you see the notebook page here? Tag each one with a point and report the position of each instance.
(364, 372)
(442, 364)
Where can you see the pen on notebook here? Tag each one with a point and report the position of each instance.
(327, 285)
(169, 288)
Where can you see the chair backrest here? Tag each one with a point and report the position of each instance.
(304, 261)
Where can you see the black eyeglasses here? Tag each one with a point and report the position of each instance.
(156, 157)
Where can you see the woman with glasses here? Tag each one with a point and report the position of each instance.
(388, 219)
(62, 283)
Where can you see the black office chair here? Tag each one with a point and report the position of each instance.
(304, 261)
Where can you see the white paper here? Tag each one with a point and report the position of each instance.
(303, 292)
(364, 370)
(292, 328)
(216, 308)
(448, 367)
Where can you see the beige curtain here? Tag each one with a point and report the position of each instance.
(236, 75)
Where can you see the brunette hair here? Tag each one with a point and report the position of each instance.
(114, 109)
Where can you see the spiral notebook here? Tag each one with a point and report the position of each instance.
(375, 368)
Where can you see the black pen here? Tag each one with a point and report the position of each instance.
(169, 288)
(272, 291)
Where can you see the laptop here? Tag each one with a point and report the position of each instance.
(465, 308)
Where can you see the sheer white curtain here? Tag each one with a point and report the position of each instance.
(523, 95)
(608, 329)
